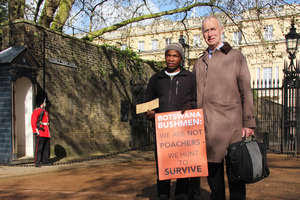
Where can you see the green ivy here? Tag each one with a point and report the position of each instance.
(102, 71)
(87, 38)
(121, 65)
(127, 54)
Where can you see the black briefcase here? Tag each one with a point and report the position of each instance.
(246, 161)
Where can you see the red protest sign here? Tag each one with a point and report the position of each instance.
(180, 142)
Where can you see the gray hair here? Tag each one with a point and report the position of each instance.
(211, 17)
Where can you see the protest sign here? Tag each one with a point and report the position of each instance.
(180, 142)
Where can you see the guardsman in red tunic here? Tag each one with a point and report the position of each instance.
(40, 128)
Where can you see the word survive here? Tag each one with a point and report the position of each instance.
(183, 170)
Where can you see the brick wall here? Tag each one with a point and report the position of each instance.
(85, 101)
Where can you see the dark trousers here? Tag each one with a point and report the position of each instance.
(186, 188)
(216, 183)
(42, 151)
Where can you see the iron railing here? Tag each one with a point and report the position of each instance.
(277, 115)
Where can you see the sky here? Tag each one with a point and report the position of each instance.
(114, 15)
(113, 11)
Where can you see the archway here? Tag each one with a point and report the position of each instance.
(22, 110)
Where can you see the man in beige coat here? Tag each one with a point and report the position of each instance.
(224, 93)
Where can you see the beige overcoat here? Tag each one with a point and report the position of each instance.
(224, 93)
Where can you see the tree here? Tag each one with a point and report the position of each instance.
(97, 17)
(62, 15)
(3, 11)
(16, 9)
(47, 15)
(147, 16)
(3, 16)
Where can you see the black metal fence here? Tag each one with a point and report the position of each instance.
(277, 115)
(277, 111)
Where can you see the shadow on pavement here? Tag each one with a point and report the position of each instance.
(151, 193)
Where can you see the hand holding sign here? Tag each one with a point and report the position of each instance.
(144, 107)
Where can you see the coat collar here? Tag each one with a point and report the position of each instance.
(182, 72)
(224, 49)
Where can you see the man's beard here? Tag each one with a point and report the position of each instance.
(172, 69)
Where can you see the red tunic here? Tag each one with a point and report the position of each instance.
(44, 132)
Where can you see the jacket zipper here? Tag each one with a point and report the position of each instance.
(177, 82)
(170, 90)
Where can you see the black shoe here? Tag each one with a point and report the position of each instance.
(181, 197)
(195, 197)
(163, 197)
(47, 164)
(38, 165)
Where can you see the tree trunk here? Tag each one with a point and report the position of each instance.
(16, 9)
(48, 12)
(63, 14)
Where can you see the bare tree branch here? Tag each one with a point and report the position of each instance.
(37, 10)
(114, 27)
(93, 14)
(80, 10)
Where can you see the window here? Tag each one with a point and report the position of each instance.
(257, 76)
(268, 34)
(276, 76)
(154, 45)
(267, 79)
(141, 46)
(168, 41)
(196, 41)
(237, 37)
(123, 47)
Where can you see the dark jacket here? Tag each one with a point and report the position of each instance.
(176, 94)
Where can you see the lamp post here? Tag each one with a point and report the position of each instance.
(291, 88)
(291, 71)
(181, 40)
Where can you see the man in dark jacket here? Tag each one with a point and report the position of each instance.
(176, 89)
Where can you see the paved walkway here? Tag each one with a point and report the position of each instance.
(129, 176)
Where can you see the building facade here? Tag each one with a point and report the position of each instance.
(259, 35)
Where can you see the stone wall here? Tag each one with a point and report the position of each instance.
(86, 85)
